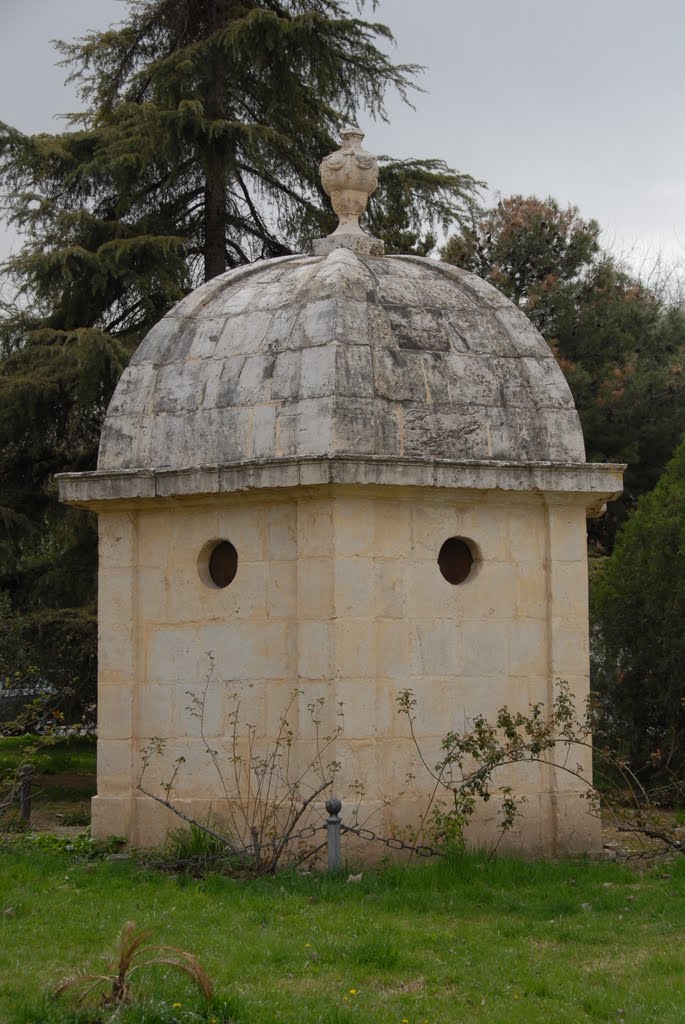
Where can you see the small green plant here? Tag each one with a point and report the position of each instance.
(195, 842)
(113, 986)
(77, 816)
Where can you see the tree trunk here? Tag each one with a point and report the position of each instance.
(215, 182)
(215, 217)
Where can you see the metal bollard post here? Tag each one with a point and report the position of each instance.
(25, 780)
(333, 806)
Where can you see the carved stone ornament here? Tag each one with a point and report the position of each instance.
(349, 176)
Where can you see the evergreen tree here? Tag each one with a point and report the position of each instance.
(198, 148)
(639, 642)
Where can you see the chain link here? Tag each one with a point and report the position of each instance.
(392, 842)
(306, 833)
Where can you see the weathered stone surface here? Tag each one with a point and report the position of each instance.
(342, 355)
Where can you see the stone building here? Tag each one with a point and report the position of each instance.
(350, 474)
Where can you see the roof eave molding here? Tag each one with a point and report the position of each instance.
(593, 482)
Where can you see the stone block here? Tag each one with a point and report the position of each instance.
(354, 587)
(526, 533)
(117, 541)
(531, 598)
(247, 650)
(429, 595)
(314, 650)
(175, 654)
(116, 601)
(570, 649)
(485, 648)
(263, 431)
(207, 333)
(353, 371)
(116, 650)
(390, 588)
(315, 588)
(392, 529)
(490, 592)
(281, 590)
(564, 435)
(548, 386)
(392, 649)
(115, 712)
(357, 423)
(467, 432)
(567, 533)
(156, 537)
(355, 648)
(397, 374)
(115, 767)
(111, 816)
(179, 387)
(327, 320)
(354, 527)
(281, 532)
(305, 428)
(435, 648)
(528, 648)
(155, 711)
(569, 591)
(245, 333)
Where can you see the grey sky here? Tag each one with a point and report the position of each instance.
(579, 99)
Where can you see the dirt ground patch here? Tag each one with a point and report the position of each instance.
(61, 802)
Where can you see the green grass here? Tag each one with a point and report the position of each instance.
(497, 943)
(71, 755)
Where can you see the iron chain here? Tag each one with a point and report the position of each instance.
(392, 842)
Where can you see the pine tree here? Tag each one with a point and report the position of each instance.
(197, 150)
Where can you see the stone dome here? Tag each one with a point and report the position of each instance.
(342, 354)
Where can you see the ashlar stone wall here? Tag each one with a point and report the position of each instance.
(338, 594)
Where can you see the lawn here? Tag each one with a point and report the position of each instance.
(49, 755)
(460, 940)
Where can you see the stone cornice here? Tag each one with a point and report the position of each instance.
(593, 483)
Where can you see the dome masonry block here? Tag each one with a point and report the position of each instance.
(344, 475)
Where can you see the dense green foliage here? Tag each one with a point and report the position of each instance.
(639, 643)
(468, 939)
(620, 345)
(197, 150)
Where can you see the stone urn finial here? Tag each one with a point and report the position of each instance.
(349, 176)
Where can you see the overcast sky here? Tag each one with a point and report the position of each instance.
(578, 99)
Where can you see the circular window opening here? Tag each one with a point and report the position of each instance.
(223, 564)
(455, 560)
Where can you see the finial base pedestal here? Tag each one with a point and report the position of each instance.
(362, 245)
